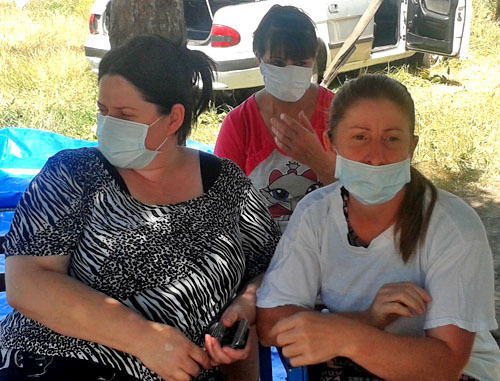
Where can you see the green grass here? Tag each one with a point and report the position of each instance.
(46, 83)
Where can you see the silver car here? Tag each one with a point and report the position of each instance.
(223, 29)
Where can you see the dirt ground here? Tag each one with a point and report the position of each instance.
(487, 205)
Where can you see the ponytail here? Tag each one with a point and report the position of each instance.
(200, 68)
(414, 215)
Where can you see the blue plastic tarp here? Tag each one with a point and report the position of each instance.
(24, 151)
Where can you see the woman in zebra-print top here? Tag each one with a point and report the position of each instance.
(120, 258)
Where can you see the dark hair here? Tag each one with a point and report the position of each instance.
(413, 216)
(166, 74)
(286, 30)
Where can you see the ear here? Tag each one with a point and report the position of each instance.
(257, 57)
(414, 143)
(175, 118)
(327, 143)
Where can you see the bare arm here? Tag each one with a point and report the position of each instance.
(268, 317)
(310, 338)
(40, 288)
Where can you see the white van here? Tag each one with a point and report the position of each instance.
(223, 29)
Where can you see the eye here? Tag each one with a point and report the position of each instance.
(358, 137)
(393, 138)
(280, 194)
(279, 63)
(312, 188)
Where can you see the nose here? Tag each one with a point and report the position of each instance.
(375, 155)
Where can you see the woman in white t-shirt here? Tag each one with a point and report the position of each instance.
(404, 269)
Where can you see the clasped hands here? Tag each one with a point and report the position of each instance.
(312, 337)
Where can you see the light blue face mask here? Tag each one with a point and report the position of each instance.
(122, 142)
(370, 184)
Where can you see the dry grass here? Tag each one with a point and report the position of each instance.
(46, 82)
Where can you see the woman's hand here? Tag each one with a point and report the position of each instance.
(242, 307)
(171, 355)
(299, 140)
(224, 355)
(394, 300)
(312, 337)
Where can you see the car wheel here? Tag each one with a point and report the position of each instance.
(425, 60)
(430, 60)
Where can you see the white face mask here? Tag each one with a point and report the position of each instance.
(287, 83)
(369, 184)
(122, 142)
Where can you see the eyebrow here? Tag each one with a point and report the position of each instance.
(390, 129)
(99, 104)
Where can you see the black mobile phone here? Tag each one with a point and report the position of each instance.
(235, 336)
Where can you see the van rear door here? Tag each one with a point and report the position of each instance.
(438, 26)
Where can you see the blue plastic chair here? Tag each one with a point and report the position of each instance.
(266, 368)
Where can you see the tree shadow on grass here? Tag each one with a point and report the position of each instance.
(486, 203)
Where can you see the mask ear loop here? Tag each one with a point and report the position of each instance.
(164, 141)
(161, 145)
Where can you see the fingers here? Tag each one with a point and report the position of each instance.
(237, 354)
(288, 128)
(229, 317)
(215, 351)
(200, 357)
(185, 372)
(405, 293)
(282, 326)
(191, 368)
(397, 309)
(283, 137)
(423, 294)
(305, 121)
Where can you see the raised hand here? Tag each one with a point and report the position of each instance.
(296, 138)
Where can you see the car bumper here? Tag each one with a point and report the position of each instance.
(229, 74)
(94, 56)
(231, 77)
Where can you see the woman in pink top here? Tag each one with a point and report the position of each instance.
(277, 136)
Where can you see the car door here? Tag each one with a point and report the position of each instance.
(343, 16)
(438, 26)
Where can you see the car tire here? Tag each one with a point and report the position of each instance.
(425, 60)
(430, 60)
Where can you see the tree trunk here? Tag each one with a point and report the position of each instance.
(497, 10)
(130, 18)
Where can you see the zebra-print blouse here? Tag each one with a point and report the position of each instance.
(175, 264)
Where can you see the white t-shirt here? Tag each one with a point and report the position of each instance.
(454, 265)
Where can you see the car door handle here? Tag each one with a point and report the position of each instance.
(333, 8)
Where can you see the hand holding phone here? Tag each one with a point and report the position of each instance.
(235, 336)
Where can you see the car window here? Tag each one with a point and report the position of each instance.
(438, 6)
